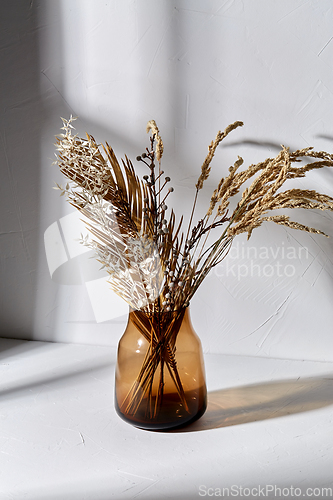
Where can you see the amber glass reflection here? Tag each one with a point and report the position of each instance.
(160, 376)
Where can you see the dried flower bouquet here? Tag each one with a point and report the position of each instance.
(152, 264)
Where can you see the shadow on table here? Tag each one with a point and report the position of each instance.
(13, 347)
(252, 403)
(46, 367)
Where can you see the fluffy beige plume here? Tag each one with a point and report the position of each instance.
(151, 126)
(147, 256)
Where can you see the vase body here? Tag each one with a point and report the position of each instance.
(160, 377)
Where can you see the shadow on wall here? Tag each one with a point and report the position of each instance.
(253, 403)
(20, 124)
(22, 120)
(67, 275)
(255, 143)
(68, 264)
(327, 137)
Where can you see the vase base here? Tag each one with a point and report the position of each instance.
(172, 415)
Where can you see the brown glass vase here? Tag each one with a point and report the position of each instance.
(160, 377)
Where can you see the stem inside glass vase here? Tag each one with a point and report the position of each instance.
(160, 377)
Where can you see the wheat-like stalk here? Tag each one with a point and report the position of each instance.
(152, 264)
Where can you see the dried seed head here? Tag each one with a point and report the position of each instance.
(151, 125)
(101, 180)
(205, 169)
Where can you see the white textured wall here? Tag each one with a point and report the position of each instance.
(194, 66)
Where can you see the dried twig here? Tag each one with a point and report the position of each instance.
(152, 265)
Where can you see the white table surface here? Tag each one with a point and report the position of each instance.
(268, 424)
